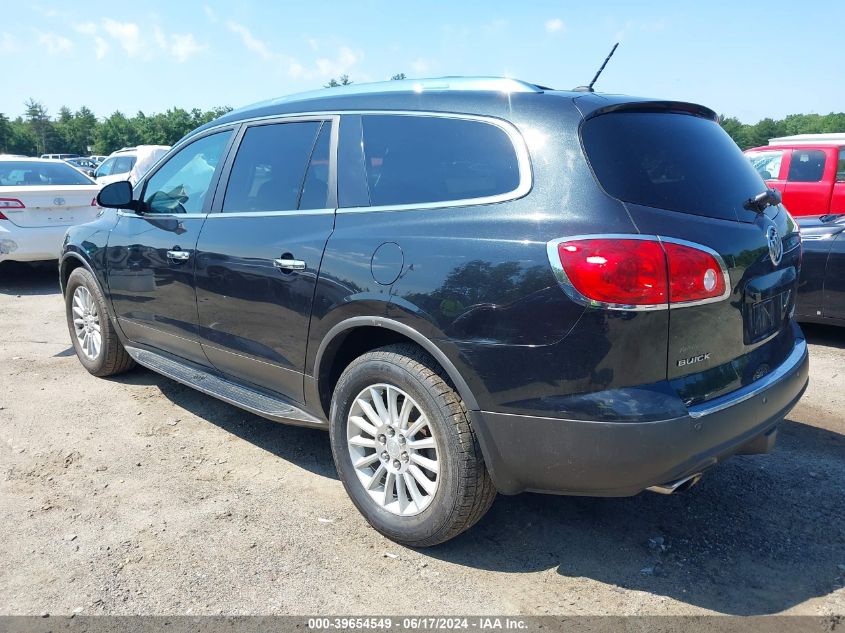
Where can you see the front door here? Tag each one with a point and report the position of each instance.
(259, 252)
(151, 253)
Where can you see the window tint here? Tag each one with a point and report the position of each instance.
(16, 173)
(419, 159)
(270, 166)
(315, 190)
(670, 161)
(807, 165)
(840, 167)
(182, 183)
(767, 163)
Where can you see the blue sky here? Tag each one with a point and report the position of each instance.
(747, 59)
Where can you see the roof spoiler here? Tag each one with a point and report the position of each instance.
(679, 107)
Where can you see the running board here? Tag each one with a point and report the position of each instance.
(270, 407)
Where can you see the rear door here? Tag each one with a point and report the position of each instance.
(259, 254)
(151, 254)
(681, 177)
(809, 181)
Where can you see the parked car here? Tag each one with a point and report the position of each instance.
(86, 165)
(467, 282)
(821, 291)
(809, 174)
(129, 163)
(98, 158)
(39, 199)
(58, 156)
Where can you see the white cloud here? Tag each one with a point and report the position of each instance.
(420, 66)
(85, 28)
(8, 44)
(345, 59)
(101, 47)
(251, 42)
(554, 25)
(210, 14)
(183, 46)
(127, 35)
(54, 44)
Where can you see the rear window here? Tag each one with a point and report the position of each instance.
(807, 165)
(670, 161)
(28, 173)
(425, 159)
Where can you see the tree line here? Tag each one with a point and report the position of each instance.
(81, 132)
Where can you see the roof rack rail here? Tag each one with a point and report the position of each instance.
(434, 84)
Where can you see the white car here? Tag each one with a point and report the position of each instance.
(39, 199)
(129, 163)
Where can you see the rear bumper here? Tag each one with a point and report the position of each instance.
(623, 458)
(22, 244)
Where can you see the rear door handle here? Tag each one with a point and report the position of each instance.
(179, 256)
(289, 264)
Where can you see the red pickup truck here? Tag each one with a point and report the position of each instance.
(810, 176)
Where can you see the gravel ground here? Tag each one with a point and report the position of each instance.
(138, 495)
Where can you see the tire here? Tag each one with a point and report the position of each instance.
(463, 490)
(110, 358)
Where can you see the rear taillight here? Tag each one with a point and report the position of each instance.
(638, 272)
(94, 203)
(11, 203)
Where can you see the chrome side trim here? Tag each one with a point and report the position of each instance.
(269, 214)
(575, 295)
(782, 372)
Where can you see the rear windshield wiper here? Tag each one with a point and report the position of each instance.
(758, 204)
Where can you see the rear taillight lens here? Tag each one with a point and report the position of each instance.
(694, 274)
(645, 273)
(629, 272)
(11, 203)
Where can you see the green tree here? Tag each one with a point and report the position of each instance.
(344, 80)
(39, 123)
(5, 133)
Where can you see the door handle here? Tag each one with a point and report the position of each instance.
(289, 264)
(179, 256)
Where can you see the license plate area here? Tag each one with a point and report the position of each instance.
(763, 318)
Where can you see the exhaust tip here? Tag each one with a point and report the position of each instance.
(679, 485)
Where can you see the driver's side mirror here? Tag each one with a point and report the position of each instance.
(117, 195)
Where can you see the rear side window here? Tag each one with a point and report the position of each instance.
(270, 167)
(767, 163)
(429, 159)
(670, 161)
(807, 165)
(840, 167)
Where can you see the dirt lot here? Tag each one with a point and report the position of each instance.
(139, 495)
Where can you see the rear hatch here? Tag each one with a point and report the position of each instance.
(681, 177)
(52, 205)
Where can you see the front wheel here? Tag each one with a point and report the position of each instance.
(92, 333)
(405, 450)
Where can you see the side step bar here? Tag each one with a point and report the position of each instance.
(271, 407)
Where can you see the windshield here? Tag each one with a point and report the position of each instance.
(28, 173)
(670, 161)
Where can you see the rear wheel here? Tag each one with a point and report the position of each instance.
(405, 450)
(92, 333)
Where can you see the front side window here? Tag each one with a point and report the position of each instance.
(840, 166)
(123, 165)
(807, 165)
(767, 163)
(182, 183)
(106, 168)
(430, 159)
(270, 167)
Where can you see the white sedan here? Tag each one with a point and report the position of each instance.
(39, 199)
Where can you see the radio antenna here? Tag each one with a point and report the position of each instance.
(589, 88)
